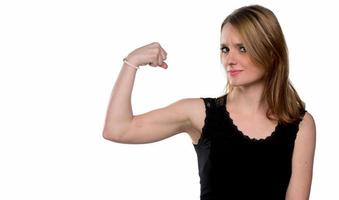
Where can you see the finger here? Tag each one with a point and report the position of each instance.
(163, 54)
(161, 50)
(164, 65)
(160, 60)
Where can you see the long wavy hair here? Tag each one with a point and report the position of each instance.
(266, 45)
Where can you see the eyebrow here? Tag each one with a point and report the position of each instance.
(237, 45)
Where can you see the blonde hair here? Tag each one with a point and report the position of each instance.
(265, 43)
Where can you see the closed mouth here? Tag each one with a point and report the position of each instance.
(234, 72)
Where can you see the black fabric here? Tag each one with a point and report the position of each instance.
(234, 166)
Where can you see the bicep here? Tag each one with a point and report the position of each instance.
(302, 161)
(158, 124)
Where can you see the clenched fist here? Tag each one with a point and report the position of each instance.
(152, 54)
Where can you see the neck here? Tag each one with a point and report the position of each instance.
(247, 99)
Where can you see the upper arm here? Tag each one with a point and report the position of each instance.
(302, 161)
(159, 124)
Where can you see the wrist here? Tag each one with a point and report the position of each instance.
(130, 64)
(133, 59)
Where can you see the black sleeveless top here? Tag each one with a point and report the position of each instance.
(236, 167)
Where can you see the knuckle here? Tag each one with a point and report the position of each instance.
(155, 52)
(157, 43)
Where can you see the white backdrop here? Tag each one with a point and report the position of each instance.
(58, 64)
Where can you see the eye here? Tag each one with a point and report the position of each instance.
(242, 49)
(224, 49)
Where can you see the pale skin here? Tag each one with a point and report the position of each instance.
(187, 115)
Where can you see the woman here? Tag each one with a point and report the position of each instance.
(256, 141)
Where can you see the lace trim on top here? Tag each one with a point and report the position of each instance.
(238, 131)
(212, 105)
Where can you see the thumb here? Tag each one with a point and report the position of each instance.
(164, 65)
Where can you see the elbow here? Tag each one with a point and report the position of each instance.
(109, 135)
(112, 135)
(106, 135)
(115, 133)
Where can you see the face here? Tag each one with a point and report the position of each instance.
(241, 71)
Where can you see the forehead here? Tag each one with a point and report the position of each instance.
(230, 35)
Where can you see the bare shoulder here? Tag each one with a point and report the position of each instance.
(195, 110)
(307, 126)
(306, 136)
(308, 120)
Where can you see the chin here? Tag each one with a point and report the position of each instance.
(237, 84)
(244, 83)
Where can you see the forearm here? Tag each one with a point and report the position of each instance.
(119, 112)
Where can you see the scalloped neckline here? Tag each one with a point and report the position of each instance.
(245, 136)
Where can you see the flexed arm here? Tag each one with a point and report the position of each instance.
(121, 125)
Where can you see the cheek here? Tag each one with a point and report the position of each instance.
(254, 70)
(257, 72)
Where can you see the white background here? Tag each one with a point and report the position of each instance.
(59, 61)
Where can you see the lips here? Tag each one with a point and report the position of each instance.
(234, 72)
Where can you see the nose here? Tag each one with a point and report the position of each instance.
(231, 58)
